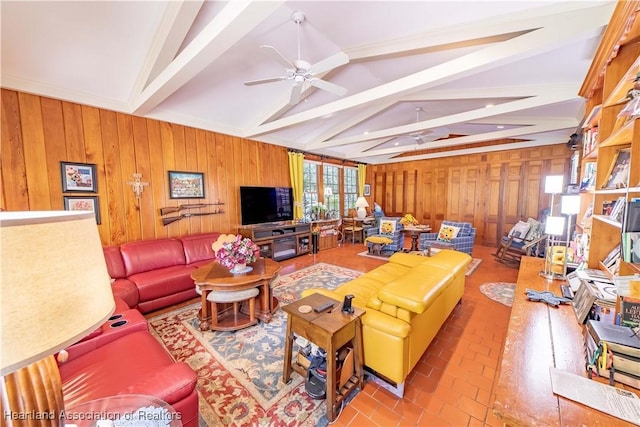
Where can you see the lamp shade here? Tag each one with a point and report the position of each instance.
(362, 202)
(570, 204)
(553, 184)
(554, 225)
(54, 285)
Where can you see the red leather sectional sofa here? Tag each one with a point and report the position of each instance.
(153, 274)
(122, 357)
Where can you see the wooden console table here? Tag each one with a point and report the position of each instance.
(541, 336)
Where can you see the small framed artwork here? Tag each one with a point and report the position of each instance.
(367, 190)
(78, 177)
(186, 185)
(80, 203)
(618, 176)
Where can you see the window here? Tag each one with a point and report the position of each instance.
(331, 184)
(350, 190)
(310, 186)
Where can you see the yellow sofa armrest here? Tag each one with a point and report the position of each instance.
(385, 323)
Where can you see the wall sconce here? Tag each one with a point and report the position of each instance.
(554, 226)
(137, 185)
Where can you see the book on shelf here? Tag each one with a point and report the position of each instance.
(619, 364)
(620, 339)
(630, 243)
(630, 311)
(617, 210)
(632, 216)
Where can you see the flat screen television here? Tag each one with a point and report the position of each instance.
(266, 204)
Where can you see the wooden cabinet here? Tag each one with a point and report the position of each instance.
(327, 233)
(279, 241)
(606, 137)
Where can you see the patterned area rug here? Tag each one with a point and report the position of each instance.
(471, 267)
(240, 373)
(499, 291)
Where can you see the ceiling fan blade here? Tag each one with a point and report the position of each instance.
(433, 136)
(296, 91)
(329, 63)
(329, 87)
(275, 54)
(261, 81)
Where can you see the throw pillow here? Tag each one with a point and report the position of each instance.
(387, 227)
(535, 230)
(520, 230)
(447, 233)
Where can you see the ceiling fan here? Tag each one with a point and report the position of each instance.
(429, 135)
(301, 72)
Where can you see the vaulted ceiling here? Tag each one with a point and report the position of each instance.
(421, 79)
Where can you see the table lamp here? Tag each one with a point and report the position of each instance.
(54, 290)
(569, 205)
(554, 226)
(361, 204)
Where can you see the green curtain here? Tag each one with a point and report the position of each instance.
(362, 175)
(296, 172)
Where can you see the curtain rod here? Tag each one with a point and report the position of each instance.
(322, 157)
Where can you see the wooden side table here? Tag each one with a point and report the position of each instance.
(329, 330)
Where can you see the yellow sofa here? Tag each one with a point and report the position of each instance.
(406, 300)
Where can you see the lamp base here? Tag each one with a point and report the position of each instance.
(33, 395)
(362, 213)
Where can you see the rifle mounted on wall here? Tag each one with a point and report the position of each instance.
(167, 221)
(176, 209)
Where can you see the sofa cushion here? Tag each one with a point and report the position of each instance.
(387, 272)
(416, 290)
(520, 230)
(197, 247)
(163, 281)
(465, 227)
(148, 255)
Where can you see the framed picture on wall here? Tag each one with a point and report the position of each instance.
(80, 203)
(186, 185)
(78, 177)
(367, 189)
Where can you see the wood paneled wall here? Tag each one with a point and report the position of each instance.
(38, 133)
(491, 190)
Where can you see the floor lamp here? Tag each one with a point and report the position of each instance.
(554, 226)
(553, 185)
(569, 205)
(54, 290)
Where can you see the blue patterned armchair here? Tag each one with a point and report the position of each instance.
(463, 242)
(390, 227)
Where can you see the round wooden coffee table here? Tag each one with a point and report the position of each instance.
(214, 277)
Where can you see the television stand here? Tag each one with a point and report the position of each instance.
(279, 241)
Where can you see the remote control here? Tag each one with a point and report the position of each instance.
(323, 307)
(566, 291)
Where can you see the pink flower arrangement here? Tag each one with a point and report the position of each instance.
(238, 251)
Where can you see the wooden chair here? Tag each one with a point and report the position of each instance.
(352, 227)
(512, 249)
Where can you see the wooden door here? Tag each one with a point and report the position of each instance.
(492, 205)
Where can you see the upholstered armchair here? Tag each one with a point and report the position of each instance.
(463, 237)
(390, 227)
